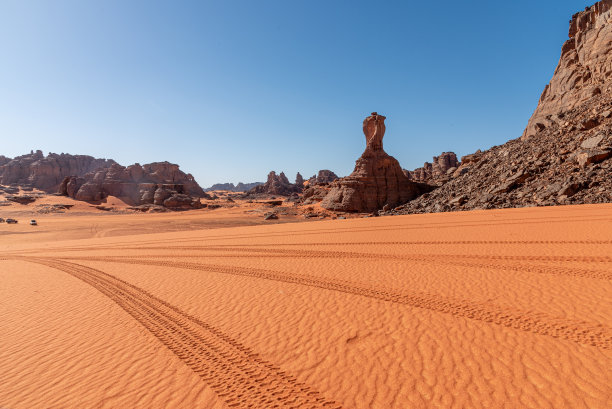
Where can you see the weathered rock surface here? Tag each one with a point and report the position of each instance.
(377, 179)
(299, 180)
(438, 172)
(276, 185)
(46, 173)
(159, 183)
(324, 176)
(240, 187)
(584, 70)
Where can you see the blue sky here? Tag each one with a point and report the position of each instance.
(233, 89)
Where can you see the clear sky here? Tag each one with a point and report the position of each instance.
(233, 89)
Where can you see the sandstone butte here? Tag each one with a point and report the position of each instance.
(377, 180)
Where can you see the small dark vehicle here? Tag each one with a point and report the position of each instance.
(11, 221)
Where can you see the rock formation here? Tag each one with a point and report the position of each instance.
(299, 180)
(240, 187)
(276, 185)
(159, 183)
(437, 172)
(584, 70)
(46, 173)
(323, 177)
(378, 179)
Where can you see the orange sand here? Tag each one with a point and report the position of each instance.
(484, 309)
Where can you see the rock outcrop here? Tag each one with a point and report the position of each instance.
(438, 172)
(299, 180)
(277, 185)
(565, 154)
(378, 179)
(324, 176)
(584, 70)
(159, 183)
(46, 173)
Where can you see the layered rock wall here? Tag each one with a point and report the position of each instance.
(46, 173)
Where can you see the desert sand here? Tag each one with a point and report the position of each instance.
(482, 309)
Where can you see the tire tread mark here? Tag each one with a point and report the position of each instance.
(237, 374)
(581, 332)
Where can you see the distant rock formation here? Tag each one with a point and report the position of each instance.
(378, 179)
(46, 173)
(565, 154)
(159, 183)
(299, 180)
(276, 185)
(437, 172)
(323, 177)
(240, 187)
(584, 70)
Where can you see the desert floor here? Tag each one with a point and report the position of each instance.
(484, 309)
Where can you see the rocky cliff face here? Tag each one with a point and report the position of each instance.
(159, 183)
(584, 70)
(377, 180)
(565, 155)
(46, 173)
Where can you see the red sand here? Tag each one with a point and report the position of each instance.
(484, 309)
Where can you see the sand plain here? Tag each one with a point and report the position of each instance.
(483, 309)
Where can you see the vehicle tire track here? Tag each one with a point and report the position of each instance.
(237, 374)
(429, 259)
(348, 254)
(537, 323)
(395, 228)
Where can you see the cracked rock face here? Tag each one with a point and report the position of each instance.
(377, 180)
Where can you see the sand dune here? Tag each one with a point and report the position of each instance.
(483, 309)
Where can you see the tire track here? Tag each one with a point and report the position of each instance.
(237, 374)
(537, 323)
(347, 254)
(429, 259)
(395, 228)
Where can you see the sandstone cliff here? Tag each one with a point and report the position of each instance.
(584, 70)
(564, 156)
(46, 173)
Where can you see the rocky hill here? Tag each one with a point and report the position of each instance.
(564, 155)
(240, 187)
(47, 172)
